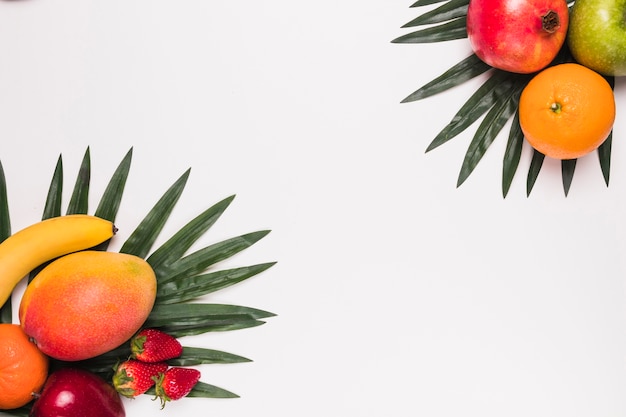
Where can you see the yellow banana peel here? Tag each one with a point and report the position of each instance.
(34, 245)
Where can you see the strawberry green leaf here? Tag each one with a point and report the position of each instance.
(533, 170)
(512, 154)
(141, 240)
(188, 288)
(454, 29)
(604, 154)
(568, 166)
(79, 202)
(177, 245)
(200, 260)
(466, 69)
(451, 9)
(192, 356)
(484, 98)
(487, 131)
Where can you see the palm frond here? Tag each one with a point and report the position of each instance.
(53, 203)
(533, 170)
(141, 240)
(6, 315)
(450, 10)
(448, 31)
(512, 154)
(484, 98)
(79, 202)
(490, 127)
(189, 287)
(604, 155)
(461, 72)
(568, 166)
(177, 245)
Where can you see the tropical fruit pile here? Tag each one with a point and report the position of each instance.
(550, 66)
(96, 326)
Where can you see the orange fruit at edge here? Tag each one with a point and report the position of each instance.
(23, 367)
(567, 111)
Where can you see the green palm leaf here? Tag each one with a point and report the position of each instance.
(465, 70)
(512, 154)
(192, 356)
(177, 245)
(451, 9)
(79, 202)
(568, 166)
(448, 31)
(186, 288)
(110, 203)
(200, 260)
(204, 390)
(141, 240)
(6, 315)
(484, 98)
(491, 125)
(533, 170)
(52, 207)
(604, 155)
(420, 3)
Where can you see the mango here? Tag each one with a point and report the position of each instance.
(87, 303)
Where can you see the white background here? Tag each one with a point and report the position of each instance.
(397, 294)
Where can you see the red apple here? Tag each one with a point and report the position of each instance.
(77, 393)
(522, 36)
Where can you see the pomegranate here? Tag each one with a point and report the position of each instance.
(77, 393)
(521, 36)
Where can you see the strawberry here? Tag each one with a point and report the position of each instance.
(152, 345)
(175, 383)
(133, 378)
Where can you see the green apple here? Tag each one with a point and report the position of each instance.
(597, 35)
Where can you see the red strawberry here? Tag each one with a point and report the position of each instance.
(133, 378)
(176, 383)
(152, 345)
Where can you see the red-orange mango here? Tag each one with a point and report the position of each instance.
(87, 303)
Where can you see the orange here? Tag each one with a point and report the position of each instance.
(567, 111)
(23, 368)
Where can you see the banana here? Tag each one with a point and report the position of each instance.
(25, 250)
